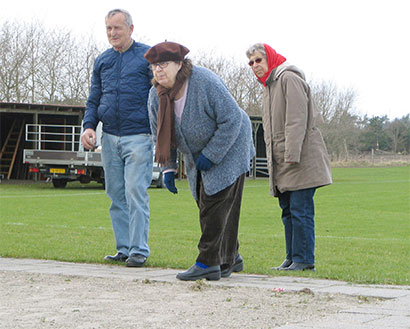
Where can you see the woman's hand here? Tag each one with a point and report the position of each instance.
(169, 181)
(203, 163)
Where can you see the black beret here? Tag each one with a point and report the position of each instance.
(166, 51)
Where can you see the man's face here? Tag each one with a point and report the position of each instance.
(118, 33)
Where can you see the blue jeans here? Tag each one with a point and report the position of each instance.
(127, 162)
(298, 213)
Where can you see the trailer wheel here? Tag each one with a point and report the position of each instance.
(59, 183)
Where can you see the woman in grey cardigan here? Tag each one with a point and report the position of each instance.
(192, 110)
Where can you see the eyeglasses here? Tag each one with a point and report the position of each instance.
(257, 61)
(161, 65)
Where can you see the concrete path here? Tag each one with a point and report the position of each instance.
(393, 313)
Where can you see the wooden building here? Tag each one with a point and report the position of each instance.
(14, 117)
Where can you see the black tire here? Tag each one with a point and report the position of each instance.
(59, 183)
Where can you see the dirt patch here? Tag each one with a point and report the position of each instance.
(54, 301)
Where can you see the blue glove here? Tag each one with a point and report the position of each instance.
(203, 163)
(169, 181)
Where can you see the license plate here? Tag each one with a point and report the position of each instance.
(57, 170)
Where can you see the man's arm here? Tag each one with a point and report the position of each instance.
(91, 113)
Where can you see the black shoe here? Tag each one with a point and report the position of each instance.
(136, 260)
(235, 267)
(300, 267)
(118, 257)
(286, 263)
(195, 273)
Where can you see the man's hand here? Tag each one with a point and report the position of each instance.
(169, 181)
(89, 138)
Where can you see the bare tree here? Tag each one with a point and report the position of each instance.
(239, 79)
(51, 76)
(78, 71)
(399, 133)
(340, 128)
(34, 60)
(12, 58)
(43, 65)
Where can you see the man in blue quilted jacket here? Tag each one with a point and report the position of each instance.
(118, 97)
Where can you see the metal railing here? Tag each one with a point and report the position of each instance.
(46, 137)
(261, 167)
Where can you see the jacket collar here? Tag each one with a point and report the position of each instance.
(278, 71)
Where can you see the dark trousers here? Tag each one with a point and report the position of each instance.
(219, 220)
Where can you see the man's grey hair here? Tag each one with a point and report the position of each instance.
(257, 47)
(127, 15)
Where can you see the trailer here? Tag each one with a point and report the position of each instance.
(58, 155)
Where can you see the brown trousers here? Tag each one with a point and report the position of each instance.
(219, 220)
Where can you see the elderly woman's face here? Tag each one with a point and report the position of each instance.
(165, 73)
(258, 64)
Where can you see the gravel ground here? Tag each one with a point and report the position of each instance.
(33, 301)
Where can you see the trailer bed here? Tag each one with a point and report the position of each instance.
(67, 158)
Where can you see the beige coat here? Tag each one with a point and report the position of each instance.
(289, 122)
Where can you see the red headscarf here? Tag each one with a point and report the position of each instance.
(274, 60)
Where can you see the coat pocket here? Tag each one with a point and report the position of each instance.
(278, 147)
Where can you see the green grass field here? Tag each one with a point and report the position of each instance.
(362, 226)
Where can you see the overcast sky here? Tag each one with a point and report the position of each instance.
(359, 44)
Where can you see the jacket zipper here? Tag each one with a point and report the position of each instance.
(118, 115)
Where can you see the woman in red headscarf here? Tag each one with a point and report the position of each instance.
(298, 162)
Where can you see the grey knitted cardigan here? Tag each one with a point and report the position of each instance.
(212, 123)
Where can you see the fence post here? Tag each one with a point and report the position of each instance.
(39, 137)
(73, 138)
